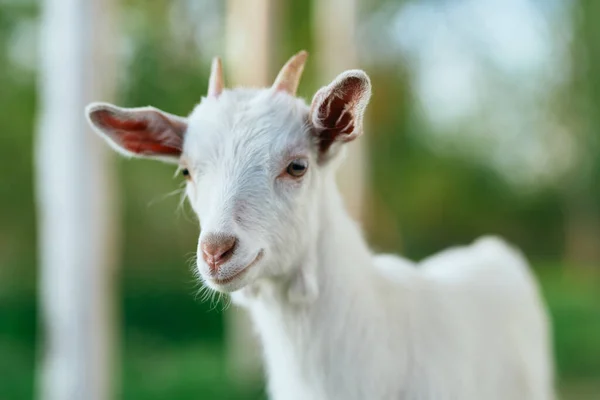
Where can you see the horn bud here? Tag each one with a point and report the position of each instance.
(215, 82)
(288, 78)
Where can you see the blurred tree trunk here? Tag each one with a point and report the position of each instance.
(249, 44)
(582, 191)
(76, 213)
(582, 228)
(335, 40)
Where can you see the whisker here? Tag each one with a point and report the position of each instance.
(164, 197)
(181, 209)
(226, 303)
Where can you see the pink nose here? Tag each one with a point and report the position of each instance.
(217, 249)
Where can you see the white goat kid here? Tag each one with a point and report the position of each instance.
(336, 322)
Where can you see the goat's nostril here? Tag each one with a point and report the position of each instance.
(217, 249)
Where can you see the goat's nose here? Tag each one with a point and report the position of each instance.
(217, 249)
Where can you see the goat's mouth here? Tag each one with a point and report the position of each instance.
(241, 272)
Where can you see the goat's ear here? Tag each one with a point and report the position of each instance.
(139, 132)
(337, 110)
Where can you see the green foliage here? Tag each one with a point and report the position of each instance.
(172, 343)
(575, 303)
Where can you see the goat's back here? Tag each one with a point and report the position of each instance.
(490, 300)
(478, 325)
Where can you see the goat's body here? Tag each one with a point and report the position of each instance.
(466, 324)
(335, 322)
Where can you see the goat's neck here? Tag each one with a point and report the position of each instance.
(308, 321)
(341, 256)
(334, 272)
(337, 257)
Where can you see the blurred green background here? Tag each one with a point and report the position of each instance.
(485, 118)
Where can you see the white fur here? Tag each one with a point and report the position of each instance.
(336, 321)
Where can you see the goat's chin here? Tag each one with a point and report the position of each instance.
(228, 286)
(237, 280)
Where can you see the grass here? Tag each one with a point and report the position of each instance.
(186, 372)
(172, 346)
(574, 300)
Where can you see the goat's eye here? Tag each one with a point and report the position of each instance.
(297, 168)
(186, 173)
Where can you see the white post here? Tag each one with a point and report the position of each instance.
(248, 51)
(75, 192)
(335, 24)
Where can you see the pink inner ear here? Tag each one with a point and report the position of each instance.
(139, 144)
(337, 113)
(135, 136)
